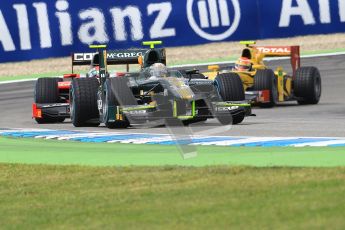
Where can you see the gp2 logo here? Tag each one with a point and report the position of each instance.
(214, 14)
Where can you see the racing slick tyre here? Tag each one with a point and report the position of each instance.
(233, 119)
(238, 118)
(307, 85)
(83, 102)
(230, 88)
(265, 80)
(47, 91)
(117, 93)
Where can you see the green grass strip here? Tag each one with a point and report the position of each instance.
(182, 62)
(74, 197)
(37, 151)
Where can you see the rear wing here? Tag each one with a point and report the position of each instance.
(114, 57)
(282, 51)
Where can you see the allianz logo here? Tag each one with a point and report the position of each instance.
(302, 9)
(213, 14)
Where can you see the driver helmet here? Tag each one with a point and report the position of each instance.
(158, 70)
(94, 72)
(243, 64)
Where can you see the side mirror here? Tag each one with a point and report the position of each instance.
(257, 67)
(140, 60)
(214, 68)
(192, 71)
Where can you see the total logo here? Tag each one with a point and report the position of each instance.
(213, 14)
(271, 49)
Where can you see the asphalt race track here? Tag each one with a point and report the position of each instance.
(327, 119)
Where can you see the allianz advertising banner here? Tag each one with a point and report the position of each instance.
(32, 29)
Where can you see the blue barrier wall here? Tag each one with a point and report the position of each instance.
(32, 29)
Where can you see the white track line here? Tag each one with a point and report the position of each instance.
(164, 138)
(143, 140)
(320, 143)
(24, 130)
(246, 141)
(17, 81)
(22, 80)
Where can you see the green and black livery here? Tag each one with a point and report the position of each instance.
(138, 98)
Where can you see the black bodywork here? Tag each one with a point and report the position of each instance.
(138, 98)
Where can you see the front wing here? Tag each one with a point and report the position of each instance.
(142, 113)
(262, 96)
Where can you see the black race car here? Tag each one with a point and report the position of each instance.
(150, 96)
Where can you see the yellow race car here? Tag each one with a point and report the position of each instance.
(267, 87)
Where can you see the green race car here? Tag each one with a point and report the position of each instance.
(151, 96)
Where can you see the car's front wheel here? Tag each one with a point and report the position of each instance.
(83, 102)
(230, 88)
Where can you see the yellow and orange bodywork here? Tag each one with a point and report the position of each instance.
(257, 54)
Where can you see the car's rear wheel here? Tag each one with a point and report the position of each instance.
(83, 102)
(47, 91)
(307, 85)
(266, 80)
(230, 88)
